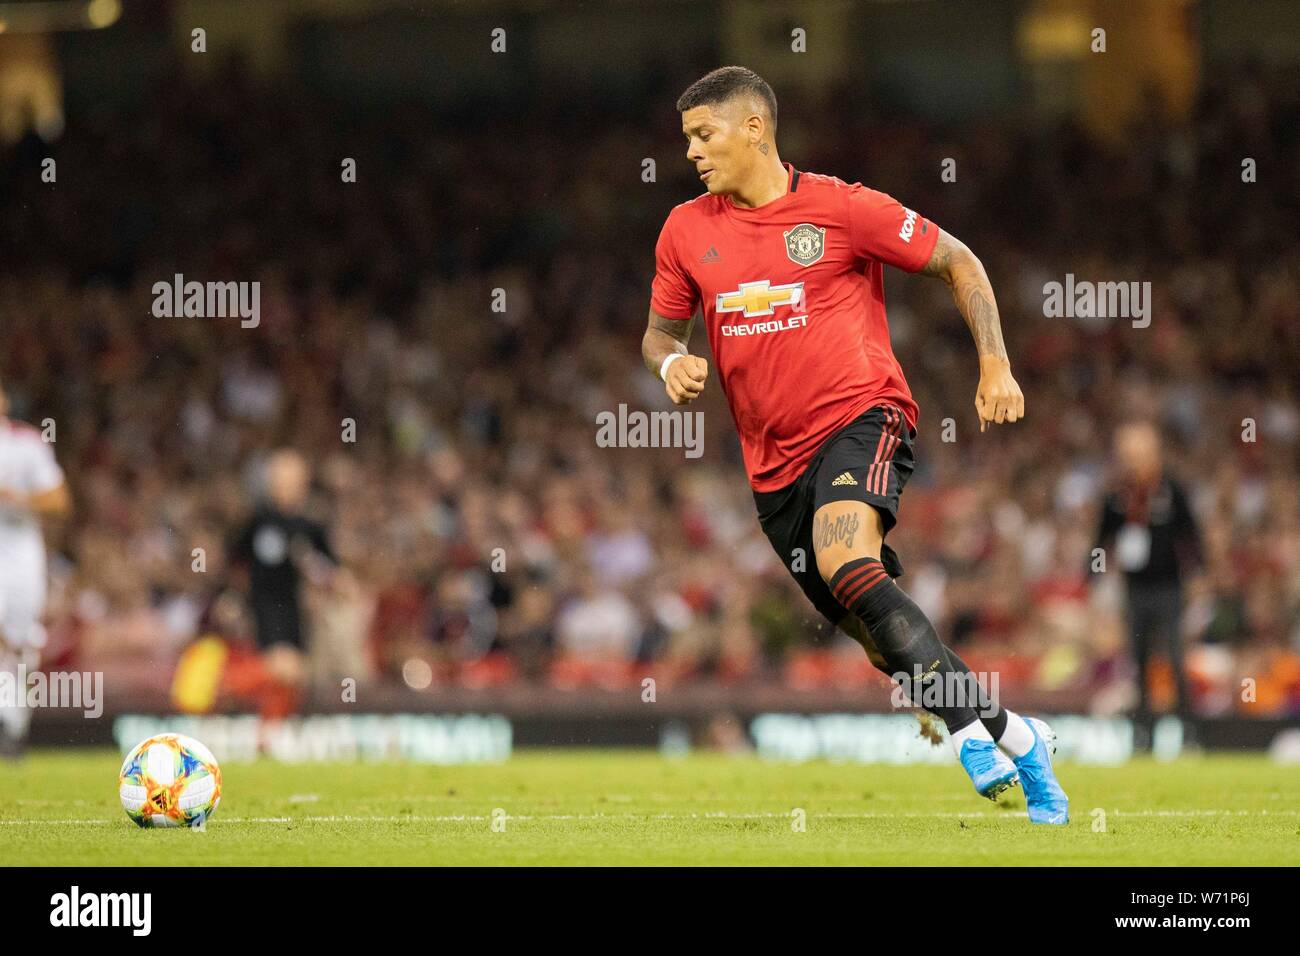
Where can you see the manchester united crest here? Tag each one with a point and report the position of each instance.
(805, 243)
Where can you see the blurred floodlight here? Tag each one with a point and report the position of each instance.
(103, 13)
(1048, 34)
(53, 16)
(417, 673)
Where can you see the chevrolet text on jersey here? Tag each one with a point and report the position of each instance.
(759, 328)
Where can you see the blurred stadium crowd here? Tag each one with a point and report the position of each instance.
(475, 429)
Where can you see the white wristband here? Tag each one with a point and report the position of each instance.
(663, 369)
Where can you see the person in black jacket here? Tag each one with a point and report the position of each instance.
(278, 546)
(1148, 531)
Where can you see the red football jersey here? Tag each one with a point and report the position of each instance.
(794, 300)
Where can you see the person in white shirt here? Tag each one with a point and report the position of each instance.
(31, 488)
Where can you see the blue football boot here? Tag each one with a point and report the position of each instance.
(990, 769)
(1044, 797)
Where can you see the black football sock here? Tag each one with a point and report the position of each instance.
(903, 634)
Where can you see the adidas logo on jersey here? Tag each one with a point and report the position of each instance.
(711, 256)
(844, 479)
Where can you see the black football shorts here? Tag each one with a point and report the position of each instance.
(869, 459)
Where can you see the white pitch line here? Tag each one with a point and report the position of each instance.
(718, 815)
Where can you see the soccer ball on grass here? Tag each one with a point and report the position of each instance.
(170, 780)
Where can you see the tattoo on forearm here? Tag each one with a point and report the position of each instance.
(981, 317)
(662, 338)
(679, 331)
(656, 346)
(972, 293)
(827, 532)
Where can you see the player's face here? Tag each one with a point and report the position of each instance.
(718, 146)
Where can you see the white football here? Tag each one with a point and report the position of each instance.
(170, 780)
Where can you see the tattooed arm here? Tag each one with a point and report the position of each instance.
(664, 337)
(998, 397)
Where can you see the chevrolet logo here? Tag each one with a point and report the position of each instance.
(760, 298)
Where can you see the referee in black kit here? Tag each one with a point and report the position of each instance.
(278, 546)
(1147, 530)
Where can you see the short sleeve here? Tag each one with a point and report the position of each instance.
(43, 472)
(673, 294)
(882, 228)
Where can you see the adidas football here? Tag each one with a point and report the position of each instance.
(170, 780)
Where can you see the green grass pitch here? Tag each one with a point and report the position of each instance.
(635, 807)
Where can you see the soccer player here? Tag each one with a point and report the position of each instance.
(787, 267)
(31, 487)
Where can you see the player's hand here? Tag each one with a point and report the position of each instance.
(998, 398)
(686, 378)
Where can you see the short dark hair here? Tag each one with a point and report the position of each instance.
(725, 83)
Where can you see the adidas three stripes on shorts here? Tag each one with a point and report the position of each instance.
(870, 460)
